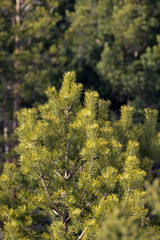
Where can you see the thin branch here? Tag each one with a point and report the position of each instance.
(67, 144)
(80, 237)
(45, 187)
(52, 202)
(126, 200)
(79, 166)
(75, 165)
(83, 209)
(82, 195)
(58, 173)
(75, 168)
(92, 158)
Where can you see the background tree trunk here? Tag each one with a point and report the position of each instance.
(16, 98)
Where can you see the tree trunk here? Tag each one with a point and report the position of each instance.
(16, 103)
(67, 219)
(16, 99)
(5, 121)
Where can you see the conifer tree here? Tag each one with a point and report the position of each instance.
(27, 52)
(117, 227)
(75, 166)
(117, 49)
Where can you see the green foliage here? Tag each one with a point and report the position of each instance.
(153, 193)
(30, 48)
(15, 212)
(117, 227)
(31, 53)
(116, 51)
(120, 38)
(75, 166)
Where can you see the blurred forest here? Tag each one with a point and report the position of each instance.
(113, 46)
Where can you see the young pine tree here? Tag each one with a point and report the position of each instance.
(75, 166)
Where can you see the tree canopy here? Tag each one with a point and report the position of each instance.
(113, 46)
(75, 166)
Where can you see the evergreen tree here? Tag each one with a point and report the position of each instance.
(115, 48)
(117, 227)
(28, 58)
(75, 166)
(115, 51)
(153, 199)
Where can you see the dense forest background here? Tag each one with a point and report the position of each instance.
(79, 159)
(113, 46)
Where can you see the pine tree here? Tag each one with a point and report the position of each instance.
(27, 59)
(117, 50)
(75, 166)
(117, 227)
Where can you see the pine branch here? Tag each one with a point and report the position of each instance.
(82, 195)
(59, 174)
(83, 209)
(75, 168)
(45, 187)
(67, 145)
(80, 237)
(52, 202)
(92, 158)
(72, 170)
(82, 234)
(129, 190)
(56, 210)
